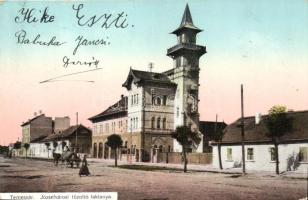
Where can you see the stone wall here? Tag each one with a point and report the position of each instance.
(176, 158)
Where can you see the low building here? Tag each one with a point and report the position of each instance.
(259, 150)
(66, 139)
(110, 121)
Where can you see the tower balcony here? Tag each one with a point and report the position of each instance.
(182, 48)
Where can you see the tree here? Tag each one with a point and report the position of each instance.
(26, 146)
(47, 146)
(114, 141)
(217, 137)
(278, 124)
(185, 137)
(17, 146)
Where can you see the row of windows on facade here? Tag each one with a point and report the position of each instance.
(160, 123)
(156, 100)
(302, 155)
(100, 128)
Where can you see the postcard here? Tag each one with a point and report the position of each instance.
(153, 100)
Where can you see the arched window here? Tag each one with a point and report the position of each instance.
(153, 122)
(164, 123)
(137, 123)
(158, 122)
(165, 100)
(134, 123)
(160, 149)
(131, 123)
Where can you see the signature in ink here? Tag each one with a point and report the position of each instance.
(67, 61)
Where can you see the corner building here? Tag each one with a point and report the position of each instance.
(159, 102)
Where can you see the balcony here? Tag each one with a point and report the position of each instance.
(186, 47)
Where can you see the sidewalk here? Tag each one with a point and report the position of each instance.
(207, 168)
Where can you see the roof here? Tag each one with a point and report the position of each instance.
(66, 133)
(187, 22)
(38, 139)
(117, 109)
(32, 119)
(256, 133)
(207, 128)
(137, 76)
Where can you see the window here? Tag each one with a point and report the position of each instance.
(165, 100)
(137, 123)
(229, 153)
(134, 121)
(132, 98)
(160, 149)
(164, 123)
(177, 112)
(303, 154)
(153, 122)
(101, 128)
(131, 123)
(137, 99)
(158, 122)
(158, 101)
(272, 153)
(250, 154)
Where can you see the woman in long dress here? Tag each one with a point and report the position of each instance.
(84, 170)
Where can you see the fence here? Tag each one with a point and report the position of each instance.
(176, 158)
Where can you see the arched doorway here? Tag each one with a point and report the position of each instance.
(106, 151)
(100, 150)
(94, 150)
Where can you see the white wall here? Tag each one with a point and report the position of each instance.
(262, 159)
(134, 111)
(39, 150)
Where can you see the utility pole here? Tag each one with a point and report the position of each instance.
(76, 139)
(243, 130)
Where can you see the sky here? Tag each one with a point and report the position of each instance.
(260, 44)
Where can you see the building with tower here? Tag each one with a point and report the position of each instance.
(156, 103)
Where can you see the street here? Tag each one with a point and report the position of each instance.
(26, 175)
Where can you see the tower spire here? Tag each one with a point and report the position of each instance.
(186, 19)
(186, 23)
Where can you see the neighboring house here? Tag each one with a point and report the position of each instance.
(110, 121)
(209, 129)
(38, 126)
(259, 150)
(158, 102)
(77, 138)
(65, 139)
(37, 129)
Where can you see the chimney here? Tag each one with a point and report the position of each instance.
(35, 114)
(40, 112)
(258, 118)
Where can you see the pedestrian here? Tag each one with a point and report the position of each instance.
(84, 170)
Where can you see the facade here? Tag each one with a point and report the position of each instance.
(66, 139)
(112, 120)
(156, 103)
(37, 127)
(259, 149)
